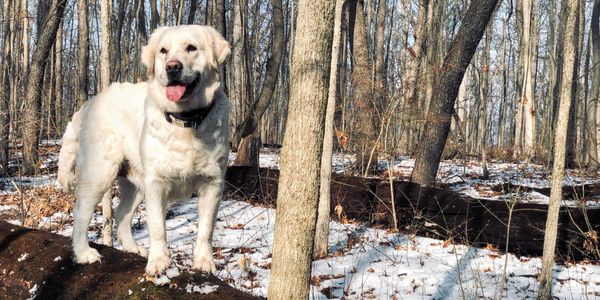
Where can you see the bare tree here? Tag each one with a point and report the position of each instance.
(411, 78)
(83, 54)
(5, 91)
(364, 133)
(568, 88)
(301, 155)
(595, 93)
(106, 11)
(441, 107)
(250, 123)
(525, 138)
(31, 115)
(322, 229)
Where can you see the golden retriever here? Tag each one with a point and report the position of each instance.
(161, 140)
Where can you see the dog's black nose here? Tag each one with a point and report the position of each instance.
(174, 68)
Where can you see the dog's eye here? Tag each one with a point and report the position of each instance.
(163, 51)
(191, 48)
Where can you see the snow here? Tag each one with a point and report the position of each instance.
(204, 288)
(365, 262)
(33, 292)
(23, 257)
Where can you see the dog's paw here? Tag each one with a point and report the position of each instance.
(139, 250)
(87, 256)
(157, 265)
(205, 264)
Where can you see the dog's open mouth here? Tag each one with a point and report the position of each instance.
(176, 90)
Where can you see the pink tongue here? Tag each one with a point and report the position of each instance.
(175, 92)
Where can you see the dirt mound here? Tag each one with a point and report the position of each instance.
(39, 265)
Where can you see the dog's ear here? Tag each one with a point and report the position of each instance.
(221, 49)
(149, 51)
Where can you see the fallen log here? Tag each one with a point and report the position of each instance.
(444, 214)
(38, 264)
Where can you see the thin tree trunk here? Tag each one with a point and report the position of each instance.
(105, 11)
(5, 91)
(441, 107)
(31, 115)
(192, 13)
(58, 71)
(163, 12)
(251, 120)
(83, 54)
(154, 17)
(301, 154)
(365, 130)
(568, 87)
(412, 78)
(595, 92)
(322, 229)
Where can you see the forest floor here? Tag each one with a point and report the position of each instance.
(365, 262)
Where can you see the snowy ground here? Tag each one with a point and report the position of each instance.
(365, 263)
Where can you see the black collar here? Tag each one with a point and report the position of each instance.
(189, 119)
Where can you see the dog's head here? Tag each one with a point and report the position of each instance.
(182, 64)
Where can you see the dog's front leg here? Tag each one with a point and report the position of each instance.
(209, 197)
(158, 256)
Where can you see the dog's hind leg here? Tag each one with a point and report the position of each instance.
(130, 198)
(94, 182)
(209, 197)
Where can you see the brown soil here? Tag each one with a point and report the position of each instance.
(120, 275)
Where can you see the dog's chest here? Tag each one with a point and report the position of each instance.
(185, 155)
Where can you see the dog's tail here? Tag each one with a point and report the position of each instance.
(67, 175)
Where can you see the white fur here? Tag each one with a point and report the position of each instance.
(166, 162)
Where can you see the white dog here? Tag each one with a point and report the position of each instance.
(161, 140)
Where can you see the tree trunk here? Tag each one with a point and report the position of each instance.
(31, 115)
(251, 120)
(568, 87)
(105, 10)
(595, 92)
(525, 139)
(83, 54)
(411, 79)
(154, 17)
(163, 12)
(58, 74)
(362, 86)
(192, 13)
(301, 155)
(239, 85)
(322, 229)
(441, 107)
(5, 91)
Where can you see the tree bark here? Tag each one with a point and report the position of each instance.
(58, 75)
(410, 109)
(5, 91)
(105, 10)
(301, 154)
(251, 120)
(83, 53)
(154, 17)
(322, 229)
(525, 139)
(568, 87)
(365, 131)
(595, 93)
(192, 13)
(441, 107)
(31, 115)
